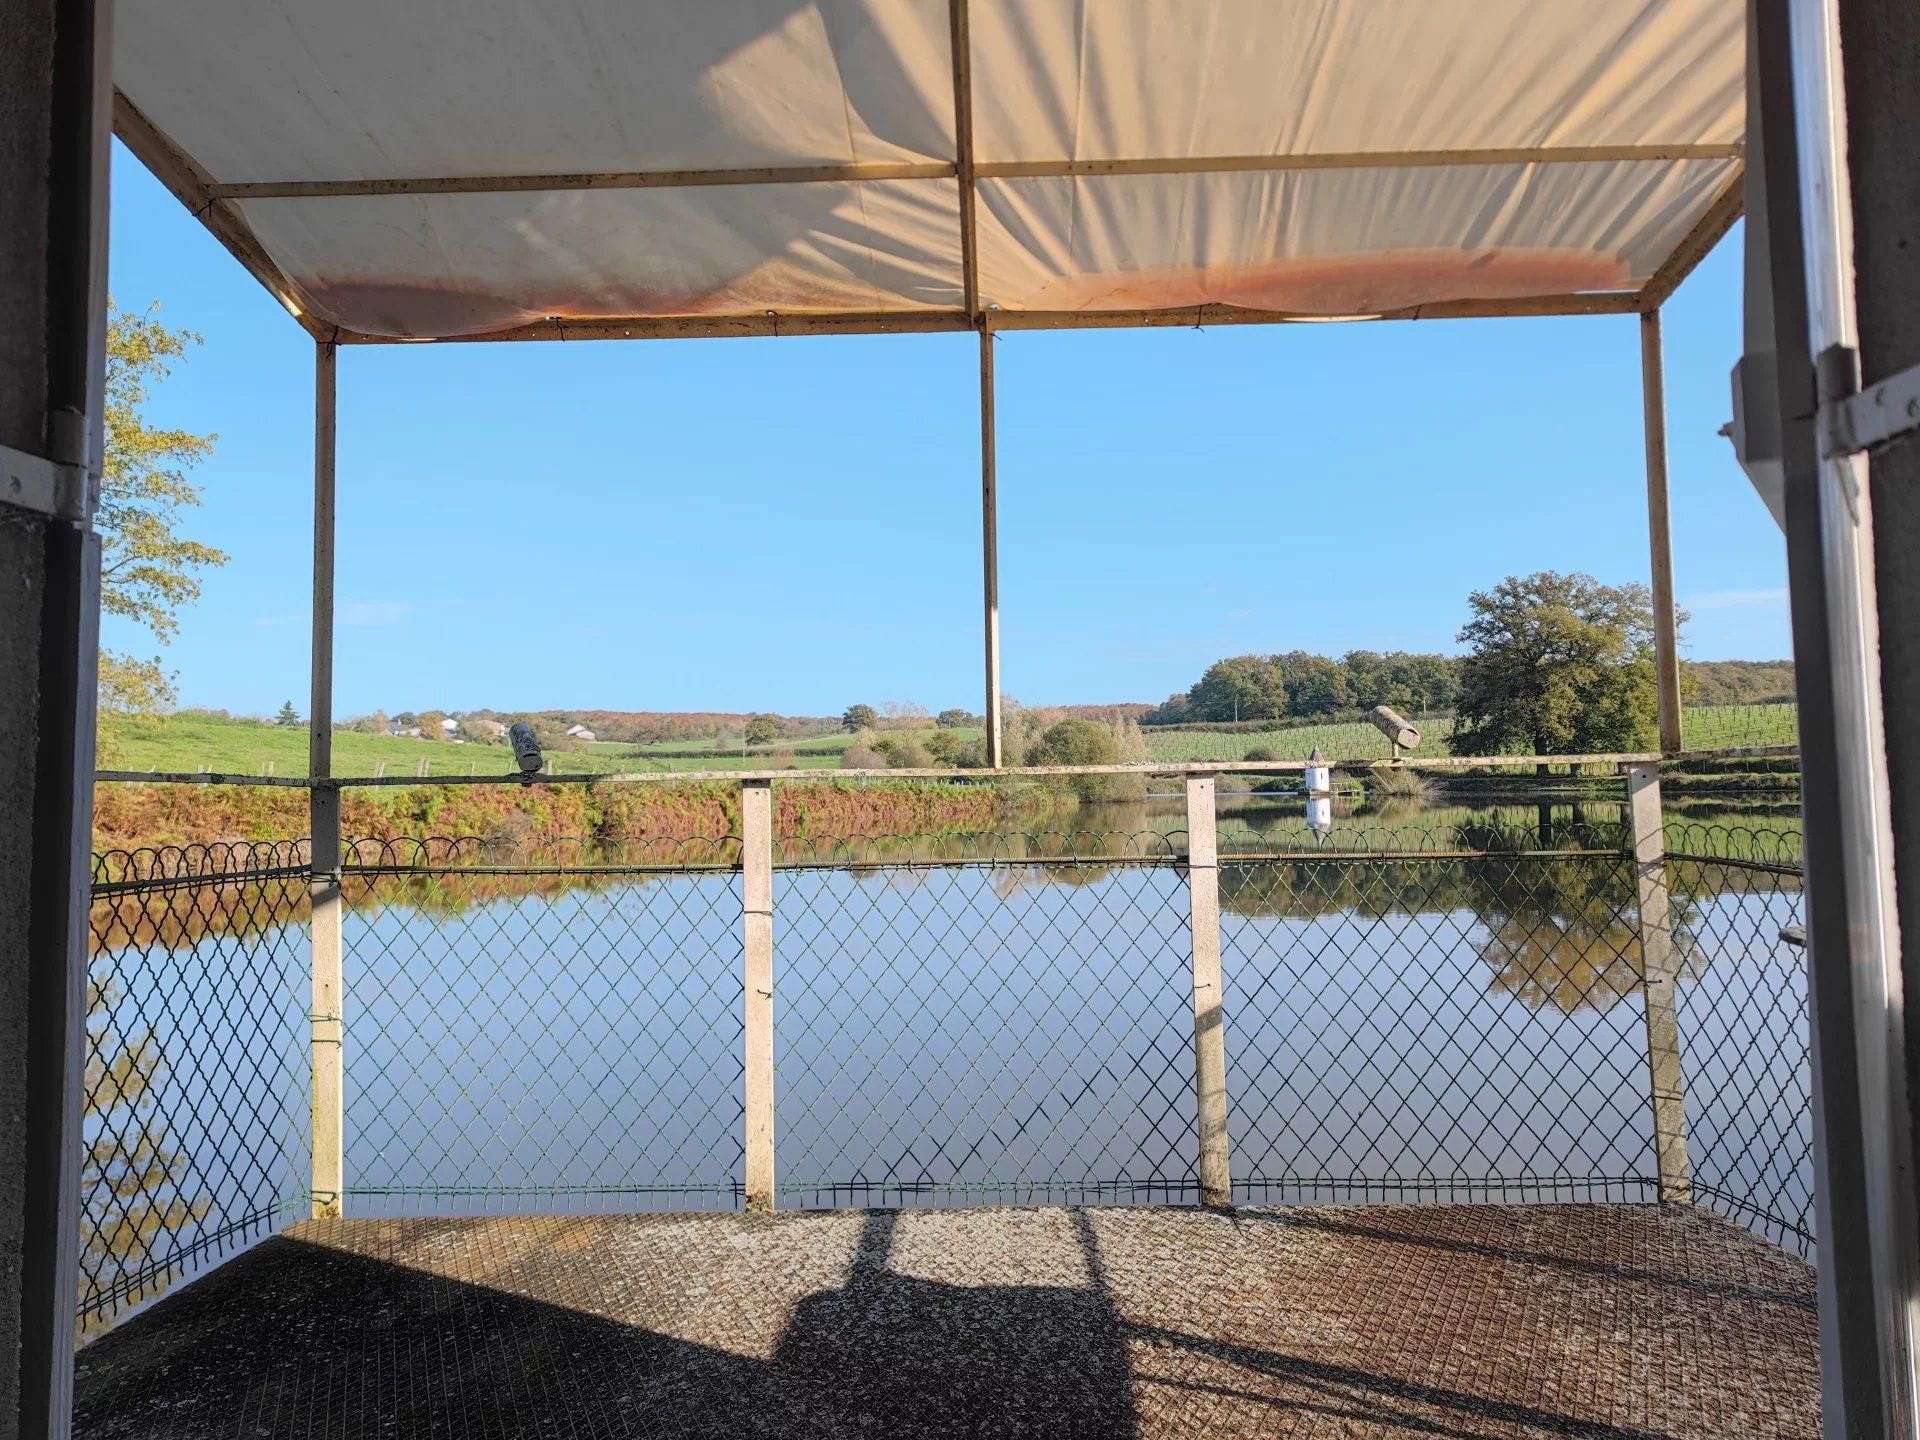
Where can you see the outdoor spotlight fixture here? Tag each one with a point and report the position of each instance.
(1389, 723)
(526, 749)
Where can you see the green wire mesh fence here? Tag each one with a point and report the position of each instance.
(1744, 1021)
(194, 1132)
(556, 1035)
(1451, 1028)
(1010, 1022)
(1445, 1010)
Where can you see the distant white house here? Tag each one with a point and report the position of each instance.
(449, 727)
(580, 732)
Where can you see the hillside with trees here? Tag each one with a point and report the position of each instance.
(1298, 687)
(1737, 682)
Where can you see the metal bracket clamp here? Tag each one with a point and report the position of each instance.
(1851, 419)
(43, 486)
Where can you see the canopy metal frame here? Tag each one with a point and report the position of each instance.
(217, 205)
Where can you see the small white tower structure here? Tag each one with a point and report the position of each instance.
(1319, 774)
(1319, 795)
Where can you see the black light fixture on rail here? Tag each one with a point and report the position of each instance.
(526, 749)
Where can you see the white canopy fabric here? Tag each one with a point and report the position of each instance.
(457, 168)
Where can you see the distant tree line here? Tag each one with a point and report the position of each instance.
(1304, 687)
(1299, 685)
(902, 715)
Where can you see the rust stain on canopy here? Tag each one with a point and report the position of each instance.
(1344, 284)
(1502, 151)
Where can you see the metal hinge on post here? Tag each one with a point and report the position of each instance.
(1852, 419)
(46, 487)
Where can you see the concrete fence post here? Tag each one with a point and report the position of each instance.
(1659, 983)
(756, 897)
(1209, 1038)
(326, 1020)
(327, 1026)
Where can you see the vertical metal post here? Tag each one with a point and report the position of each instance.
(328, 1028)
(1659, 981)
(1865, 1345)
(1847, 145)
(756, 901)
(1666, 639)
(1209, 1036)
(990, 549)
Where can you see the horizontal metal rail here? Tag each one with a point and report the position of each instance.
(450, 867)
(949, 320)
(1263, 857)
(1764, 867)
(931, 862)
(1480, 1186)
(197, 878)
(717, 1187)
(863, 172)
(141, 1281)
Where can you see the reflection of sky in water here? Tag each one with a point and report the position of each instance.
(229, 1112)
(946, 1035)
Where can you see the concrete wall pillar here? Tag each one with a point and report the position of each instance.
(55, 91)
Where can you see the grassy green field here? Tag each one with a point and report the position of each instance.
(192, 742)
(1705, 727)
(1352, 740)
(1722, 727)
(833, 740)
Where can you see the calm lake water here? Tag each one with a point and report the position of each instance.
(1421, 1027)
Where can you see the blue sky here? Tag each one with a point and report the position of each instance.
(794, 524)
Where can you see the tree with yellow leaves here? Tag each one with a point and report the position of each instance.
(134, 1182)
(147, 569)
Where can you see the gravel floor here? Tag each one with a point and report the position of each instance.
(1606, 1322)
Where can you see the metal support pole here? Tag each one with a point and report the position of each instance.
(1868, 1267)
(1659, 982)
(327, 1022)
(1865, 1371)
(756, 902)
(1666, 638)
(1209, 1036)
(990, 549)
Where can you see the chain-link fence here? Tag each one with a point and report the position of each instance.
(195, 1126)
(1744, 1020)
(1457, 1022)
(560, 1033)
(1007, 1020)
(1449, 1009)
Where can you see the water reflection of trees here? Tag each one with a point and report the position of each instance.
(133, 1182)
(1560, 927)
(1018, 860)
